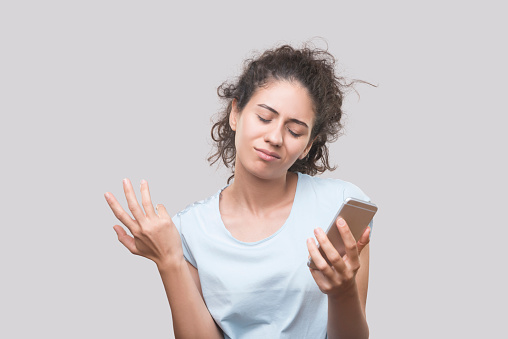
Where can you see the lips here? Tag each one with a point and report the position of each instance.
(266, 154)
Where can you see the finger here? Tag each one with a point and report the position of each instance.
(146, 200)
(132, 201)
(331, 253)
(320, 279)
(318, 259)
(125, 239)
(364, 240)
(348, 239)
(161, 210)
(120, 213)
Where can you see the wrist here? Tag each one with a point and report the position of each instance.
(345, 295)
(170, 264)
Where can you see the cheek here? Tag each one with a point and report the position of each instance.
(243, 134)
(296, 149)
(250, 129)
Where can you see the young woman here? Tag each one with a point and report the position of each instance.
(235, 265)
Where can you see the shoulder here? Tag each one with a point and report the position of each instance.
(332, 188)
(198, 210)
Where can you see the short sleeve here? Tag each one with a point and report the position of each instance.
(187, 254)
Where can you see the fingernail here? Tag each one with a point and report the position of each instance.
(125, 180)
(106, 195)
(341, 222)
(318, 231)
(143, 181)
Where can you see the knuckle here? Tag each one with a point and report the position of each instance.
(349, 275)
(122, 215)
(337, 283)
(362, 243)
(321, 266)
(149, 230)
(117, 212)
(334, 258)
(143, 231)
(327, 289)
(351, 246)
(118, 215)
(324, 290)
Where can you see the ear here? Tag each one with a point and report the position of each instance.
(306, 150)
(233, 115)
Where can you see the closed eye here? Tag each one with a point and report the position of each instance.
(296, 135)
(263, 120)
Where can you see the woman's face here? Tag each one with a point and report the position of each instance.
(273, 130)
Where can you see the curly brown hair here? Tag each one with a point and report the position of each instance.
(313, 68)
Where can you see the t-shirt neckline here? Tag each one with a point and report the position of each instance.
(289, 218)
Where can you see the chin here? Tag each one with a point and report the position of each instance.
(268, 173)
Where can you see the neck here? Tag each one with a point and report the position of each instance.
(261, 195)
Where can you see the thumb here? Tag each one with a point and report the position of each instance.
(125, 239)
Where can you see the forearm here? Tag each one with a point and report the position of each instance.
(191, 318)
(346, 318)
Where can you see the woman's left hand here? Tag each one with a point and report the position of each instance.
(337, 280)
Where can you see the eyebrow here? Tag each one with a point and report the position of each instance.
(296, 121)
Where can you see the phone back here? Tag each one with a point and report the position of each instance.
(357, 214)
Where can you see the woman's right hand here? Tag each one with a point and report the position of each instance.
(154, 236)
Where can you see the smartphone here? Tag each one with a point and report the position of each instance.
(357, 214)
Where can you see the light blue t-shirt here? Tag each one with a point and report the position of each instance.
(263, 289)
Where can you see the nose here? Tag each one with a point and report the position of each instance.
(274, 136)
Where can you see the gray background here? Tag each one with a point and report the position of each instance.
(92, 92)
